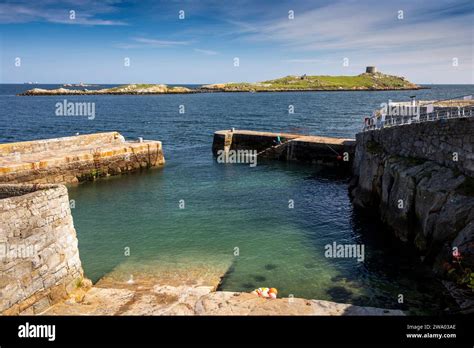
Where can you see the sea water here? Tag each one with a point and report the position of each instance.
(266, 225)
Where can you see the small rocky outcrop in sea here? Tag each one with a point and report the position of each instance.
(125, 89)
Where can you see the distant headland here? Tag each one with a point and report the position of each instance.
(371, 80)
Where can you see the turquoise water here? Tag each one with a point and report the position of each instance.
(234, 206)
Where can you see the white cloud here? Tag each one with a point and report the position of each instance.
(357, 26)
(159, 43)
(86, 12)
(139, 42)
(206, 52)
(369, 32)
(303, 61)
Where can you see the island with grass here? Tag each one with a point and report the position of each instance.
(371, 80)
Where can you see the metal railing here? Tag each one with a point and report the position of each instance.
(391, 121)
(438, 113)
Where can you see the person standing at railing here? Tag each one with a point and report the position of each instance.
(366, 122)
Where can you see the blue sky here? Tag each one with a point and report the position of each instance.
(162, 48)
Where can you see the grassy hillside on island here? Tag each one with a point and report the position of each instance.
(365, 81)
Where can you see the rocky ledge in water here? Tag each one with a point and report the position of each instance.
(168, 289)
(125, 89)
(196, 300)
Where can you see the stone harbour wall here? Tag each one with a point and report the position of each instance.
(39, 256)
(449, 143)
(248, 140)
(59, 144)
(321, 153)
(287, 147)
(418, 179)
(75, 159)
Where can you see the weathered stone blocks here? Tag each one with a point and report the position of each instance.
(74, 159)
(39, 258)
(416, 165)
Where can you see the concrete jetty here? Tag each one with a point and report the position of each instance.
(287, 146)
(77, 158)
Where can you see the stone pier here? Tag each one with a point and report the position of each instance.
(39, 258)
(76, 158)
(287, 146)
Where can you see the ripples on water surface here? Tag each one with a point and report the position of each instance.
(233, 206)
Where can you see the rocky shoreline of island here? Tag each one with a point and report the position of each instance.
(368, 81)
(132, 89)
